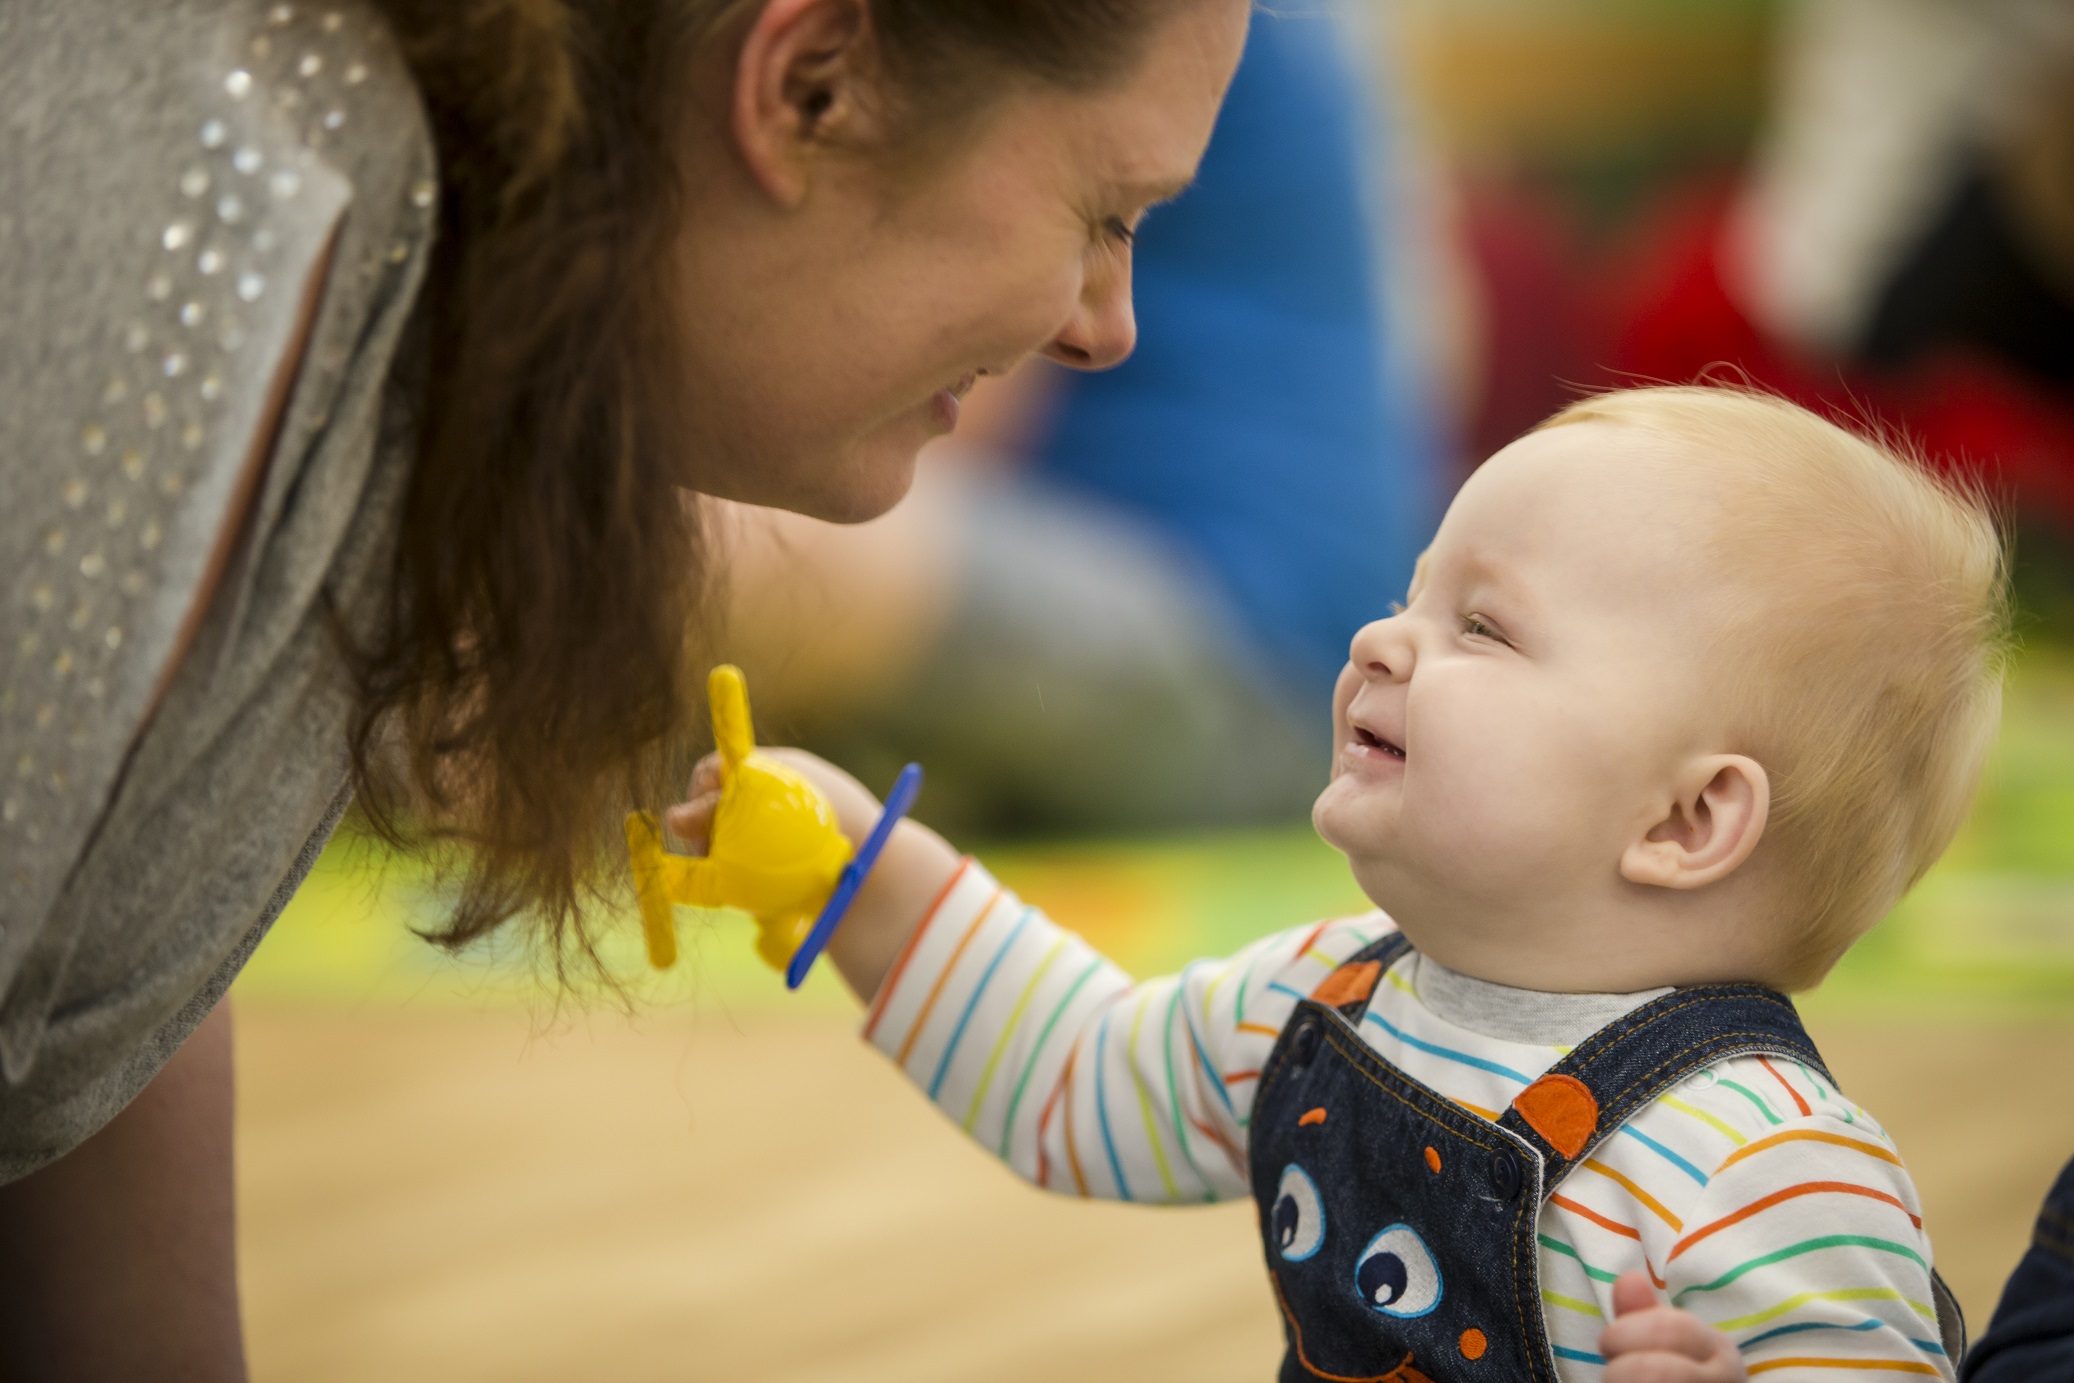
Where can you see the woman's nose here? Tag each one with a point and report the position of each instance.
(1383, 649)
(1103, 329)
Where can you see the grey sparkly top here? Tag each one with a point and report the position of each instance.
(171, 174)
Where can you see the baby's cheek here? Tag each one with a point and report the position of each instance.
(1467, 822)
(1478, 782)
(1524, 797)
(1343, 693)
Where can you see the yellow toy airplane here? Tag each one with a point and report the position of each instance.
(777, 852)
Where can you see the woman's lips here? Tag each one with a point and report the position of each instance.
(950, 403)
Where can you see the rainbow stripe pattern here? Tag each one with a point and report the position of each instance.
(1754, 1195)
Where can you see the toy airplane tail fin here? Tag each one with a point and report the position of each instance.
(733, 735)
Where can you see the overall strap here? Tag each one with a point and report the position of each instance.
(1623, 1066)
(1349, 988)
(1620, 1068)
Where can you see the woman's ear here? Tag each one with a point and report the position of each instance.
(800, 78)
(1712, 826)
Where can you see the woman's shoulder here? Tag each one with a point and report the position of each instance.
(116, 96)
(180, 181)
(173, 177)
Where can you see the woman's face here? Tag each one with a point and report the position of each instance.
(840, 302)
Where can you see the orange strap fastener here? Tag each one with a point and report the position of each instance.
(1350, 984)
(1561, 1109)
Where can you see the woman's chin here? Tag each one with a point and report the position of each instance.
(873, 478)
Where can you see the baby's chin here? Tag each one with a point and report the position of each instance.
(1348, 817)
(1392, 871)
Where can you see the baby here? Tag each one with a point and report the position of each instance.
(1690, 687)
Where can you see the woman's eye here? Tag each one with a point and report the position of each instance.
(1121, 231)
(1298, 1224)
(1396, 1274)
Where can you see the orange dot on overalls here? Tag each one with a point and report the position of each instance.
(1473, 1344)
(1432, 1160)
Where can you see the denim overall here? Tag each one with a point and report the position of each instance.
(1400, 1227)
(2031, 1338)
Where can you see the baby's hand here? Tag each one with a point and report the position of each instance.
(915, 868)
(856, 810)
(1652, 1343)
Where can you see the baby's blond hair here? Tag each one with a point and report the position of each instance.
(1870, 630)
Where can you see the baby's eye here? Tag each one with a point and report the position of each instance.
(1476, 626)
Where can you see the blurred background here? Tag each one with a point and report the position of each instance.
(1107, 622)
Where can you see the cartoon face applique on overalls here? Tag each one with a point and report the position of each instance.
(1400, 1228)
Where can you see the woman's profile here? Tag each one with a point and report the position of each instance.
(363, 364)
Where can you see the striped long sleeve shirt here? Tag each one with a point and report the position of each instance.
(1754, 1194)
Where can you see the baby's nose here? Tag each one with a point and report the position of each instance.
(1383, 650)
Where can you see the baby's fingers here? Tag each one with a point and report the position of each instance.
(1648, 1343)
(1659, 1367)
(706, 778)
(691, 823)
(1666, 1345)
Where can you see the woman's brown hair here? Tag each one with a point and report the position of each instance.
(536, 675)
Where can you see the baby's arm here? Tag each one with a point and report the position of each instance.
(1807, 1248)
(1045, 1052)
(1080, 1079)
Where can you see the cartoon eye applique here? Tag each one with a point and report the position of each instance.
(1396, 1274)
(1299, 1219)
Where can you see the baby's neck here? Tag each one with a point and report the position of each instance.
(1518, 1015)
(1625, 942)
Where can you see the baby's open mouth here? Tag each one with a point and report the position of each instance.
(1375, 741)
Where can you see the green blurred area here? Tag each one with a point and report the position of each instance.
(1990, 931)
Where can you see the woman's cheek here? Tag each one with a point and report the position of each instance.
(1008, 314)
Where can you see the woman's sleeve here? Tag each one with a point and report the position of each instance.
(1080, 1079)
(162, 219)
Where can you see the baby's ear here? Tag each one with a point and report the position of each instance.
(1712, 825)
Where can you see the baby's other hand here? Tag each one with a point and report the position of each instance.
(1649, 1342)
(691, 822)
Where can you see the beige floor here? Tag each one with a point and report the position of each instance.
(451, 1196)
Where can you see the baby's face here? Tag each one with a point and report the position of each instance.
(1503, 737)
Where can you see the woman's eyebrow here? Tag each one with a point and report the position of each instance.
(1151, 192)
